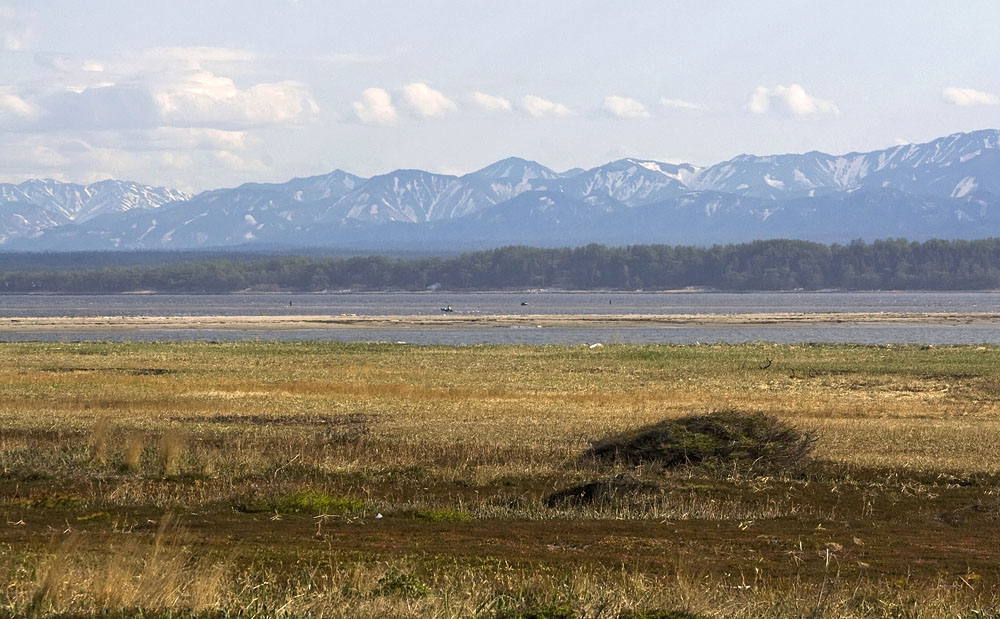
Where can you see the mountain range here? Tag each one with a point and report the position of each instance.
(946, 188)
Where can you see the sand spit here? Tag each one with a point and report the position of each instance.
(455, 321)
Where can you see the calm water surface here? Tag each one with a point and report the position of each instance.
(376, 304)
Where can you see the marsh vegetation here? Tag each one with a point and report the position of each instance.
(318, 479)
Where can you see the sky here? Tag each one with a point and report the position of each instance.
(213, 93)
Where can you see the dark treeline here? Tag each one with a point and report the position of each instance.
(761, 265)
(52, 261)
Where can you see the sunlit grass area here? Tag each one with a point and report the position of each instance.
(320, 479)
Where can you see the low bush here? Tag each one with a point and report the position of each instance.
(401, 584)
(726, 437)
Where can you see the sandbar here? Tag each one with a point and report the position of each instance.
(477, 321)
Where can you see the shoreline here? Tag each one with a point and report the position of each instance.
(526, 291)
(478, 321)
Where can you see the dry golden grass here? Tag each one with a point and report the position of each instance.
(163, 574)
(457, 448)
(168, 580)
(99, 441)
(132, 456)
(171, 445)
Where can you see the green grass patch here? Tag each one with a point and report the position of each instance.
(306, 502)
(50, 500)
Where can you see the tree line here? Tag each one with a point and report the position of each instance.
(761, 265)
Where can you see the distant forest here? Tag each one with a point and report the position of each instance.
(761, 265)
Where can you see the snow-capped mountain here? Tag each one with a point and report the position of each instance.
(332, 186)
(30, 207)
(946, 188)
(631, 182)
(416, 196)
(404, 195)
(515, 168)
(72, 202)
(952, 166)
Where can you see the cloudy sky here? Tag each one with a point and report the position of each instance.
(211, 93)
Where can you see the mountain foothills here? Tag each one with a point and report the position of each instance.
(947, 188)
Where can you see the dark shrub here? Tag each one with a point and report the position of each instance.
(601, 491)
(402, 584)
(753, 440)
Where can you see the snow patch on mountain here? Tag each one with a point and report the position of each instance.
(964, 187)
(773, 182)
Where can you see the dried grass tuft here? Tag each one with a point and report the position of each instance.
(171, 447)
(132, 458)
(99, 437)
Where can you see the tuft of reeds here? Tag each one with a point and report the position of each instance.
(134, 579)
(132, 457)
(171, 448)
(99, 437)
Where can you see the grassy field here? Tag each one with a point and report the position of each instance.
(317, 479)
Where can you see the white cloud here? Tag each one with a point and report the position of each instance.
(173, 138)
(124, 106)
(137, 114)
(346, 58)
(426, 101)
(375, 108)
(176, 161)
(792, 100)
(230, 160)
(203, 99)
(491, 103)
(25, 156)
(968, 96)
(63, 63)
(88, 95)
(537, 107)
(59, 157)
(624, 107)
(14, 34)
(15, 41)
(681, 104)
(450, 170)
(170, 157)
(759, 101)
(193, 57)
(14, 107)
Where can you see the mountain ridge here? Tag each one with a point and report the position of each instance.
(948, 186)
